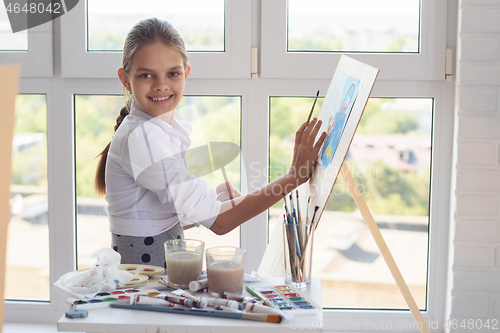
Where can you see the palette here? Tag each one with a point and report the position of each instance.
(146, 270)
(104, 299)
(286, 298)
(136, 281)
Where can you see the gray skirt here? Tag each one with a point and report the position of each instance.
(145, 250)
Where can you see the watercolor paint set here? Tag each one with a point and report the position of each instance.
(105, 299)
(286, 298)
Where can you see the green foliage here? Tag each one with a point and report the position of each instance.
(95, 118)
(340, 197)
(287, 114)
(220, 119)
(29, 165)
(376, 121)
(31, 114)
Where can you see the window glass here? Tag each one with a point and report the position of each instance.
(200, 22)
(214, 119)
(353, 26)
(8, 40)
(219, 119)
(390, 159)
(27, 262)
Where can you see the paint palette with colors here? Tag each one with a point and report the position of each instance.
(146, 270)
(286, 298)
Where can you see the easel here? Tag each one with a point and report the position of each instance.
(321, 183)
(272, 263)
(382, 246)
(8, 90)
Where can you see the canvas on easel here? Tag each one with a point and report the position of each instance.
(341, 112)
(9, 77)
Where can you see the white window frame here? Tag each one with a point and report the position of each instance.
(234, 62)
(91, 74)
(426, 65)
(442, 93)
(37, 60)
(401, 75)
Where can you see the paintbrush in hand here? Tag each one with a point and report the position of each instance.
(312, 109)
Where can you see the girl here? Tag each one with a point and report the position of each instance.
(143, 171)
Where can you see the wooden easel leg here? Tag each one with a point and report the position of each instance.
(384, 250)
(9, 78)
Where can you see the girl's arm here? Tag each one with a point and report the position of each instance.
(241, 209)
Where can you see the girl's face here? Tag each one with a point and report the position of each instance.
(156, 78)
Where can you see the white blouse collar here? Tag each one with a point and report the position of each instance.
(182, 129)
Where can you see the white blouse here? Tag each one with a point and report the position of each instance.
(149, 188)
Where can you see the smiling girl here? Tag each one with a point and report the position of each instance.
(143, 171)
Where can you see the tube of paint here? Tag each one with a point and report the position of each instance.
(236, 297)
(199, 302)
(212, 301)
(225, 308)
(198, 285)
(177, 299)
(256, 308)
(144, 300)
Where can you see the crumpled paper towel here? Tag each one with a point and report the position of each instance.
(104, 276)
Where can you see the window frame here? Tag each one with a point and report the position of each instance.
(37, 61)
(442, 93)
(429, 64)
(234, 62)
(85, 78)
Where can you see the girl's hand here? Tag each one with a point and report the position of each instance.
(305, 151)
(223, 192)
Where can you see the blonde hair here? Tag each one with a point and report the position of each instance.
(146, 32)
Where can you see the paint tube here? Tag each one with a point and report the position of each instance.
(198, 285)
(225, 308)
(144, 300)
(199, 302)
(256, 308)
(236, 297)
(212, 301)
(177, 299)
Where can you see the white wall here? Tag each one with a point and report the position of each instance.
(475, 292)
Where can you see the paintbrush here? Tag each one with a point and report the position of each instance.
(292, 250)
(288, 216)
(308, 233)
(265, 317)
(300, 225)
(295, 226)
(298, 207)
(228, 187)
(308, 205)
(292, 206)
(314, 214)
(312, 109)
